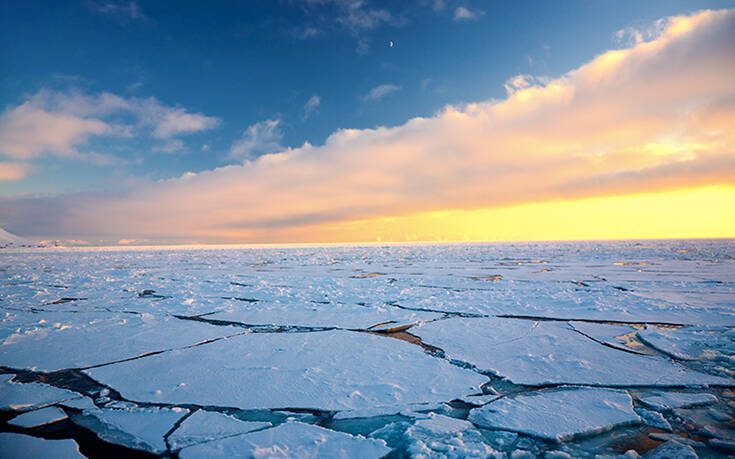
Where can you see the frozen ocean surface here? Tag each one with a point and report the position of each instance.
(568, 349)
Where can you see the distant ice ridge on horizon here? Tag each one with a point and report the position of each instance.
(11, 240)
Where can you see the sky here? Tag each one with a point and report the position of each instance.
(142, 122)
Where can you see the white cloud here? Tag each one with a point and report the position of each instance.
(462, 14)
(10, 171)
(378, 92)
(59, 123)
(124, 10)
(311, 106)
(260, 138)
(654, 117)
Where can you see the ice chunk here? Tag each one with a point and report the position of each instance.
(663, 401)
(203, 426)
(654, 419)
(85, 339)
(38, 418)
(539, 353)
(558, 415)
(80, 403)
(609, 334)
(17, 445)
(693, 343)
(479, 400)
(138, 429)
(441, 436)
(17, 396)
(292, 439)
(672, 449)
(333, 370)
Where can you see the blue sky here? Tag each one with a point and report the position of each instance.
(248, 62)
(104, 96)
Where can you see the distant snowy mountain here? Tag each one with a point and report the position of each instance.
(11, 240)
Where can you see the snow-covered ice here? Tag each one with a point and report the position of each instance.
(539, 353)
(142, 429)
(18, 445)
(331, 370)
(37, 418)
(671, 400)
(203, 426)
(292, 439)
(17, 397)
(559, 415)
(207, 349)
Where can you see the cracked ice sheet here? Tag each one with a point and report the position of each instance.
(134, 428)
(441, 436)
(538, 353)
(666, 401)
(85, 339)
(19, 446)
(16, 396)
(693, 343)
(334, 370)
(559, 415)
(292, 439)
(204, 426)
(321, 315)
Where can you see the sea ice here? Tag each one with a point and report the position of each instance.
(85, 339)
(292, 439)
(14, 445)
(441, 436)
(17, 396)
(672, 449)
(664, 401)
(38, 418)
(204, 426)
(321, 315)
(538, 353)
(142, 429)
(693, 343)
(333, 370)
(558, 415)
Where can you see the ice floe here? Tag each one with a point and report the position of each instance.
(18, 445)
(142, 429)
(18, 397)
(540, 353)
(670, 400)
(332, 370)
(204, 426)
(37, 418)
(692, 343)
(558, 415)
(292, 439)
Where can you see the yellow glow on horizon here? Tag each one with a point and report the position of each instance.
(700, 213)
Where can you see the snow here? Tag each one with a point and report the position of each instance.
(142, 429)
(540, 353)
(670, 400)
(692, 343)
(18, 397)
(292, 439)
(211, 332)
(85, 339)
(204, 426)
(332, 370)
(558, 415)
(11, 240)
(319, 315)
(18, 445)
(38, 418)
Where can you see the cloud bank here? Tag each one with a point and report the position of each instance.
(657, 116)
(58, 124)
